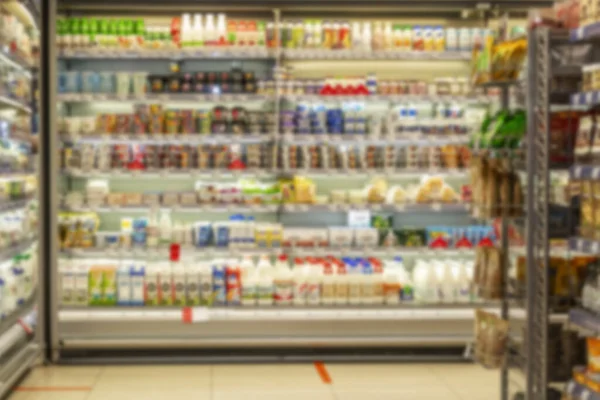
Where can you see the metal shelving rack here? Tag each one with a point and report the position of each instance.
(73, 329)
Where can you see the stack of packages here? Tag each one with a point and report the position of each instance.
(497, 190)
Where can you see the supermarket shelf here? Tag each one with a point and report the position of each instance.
(176, 54)
(289, 313)
(500, 84)
(589, 99)
(14, 60)
(13, 174)
(13, 369)
(585, 32)
(325, 54)
(12, 205)
(161, 97)
(12, 251)
(578, 391)
(587, 172)
(266, 174)
(417, 139)
(165, 138)
(229, 208)
(585, 319)
(288, 208)
(396, 208)
(585, 246)
(16, 104)
(391, 98)
(8, 322)
(216, 252)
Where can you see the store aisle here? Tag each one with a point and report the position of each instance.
(264, 382)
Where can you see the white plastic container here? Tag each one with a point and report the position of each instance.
(250, 286)
(137, 274)
(197, 32)
(124, 283)
(314, 282)
(186, 30)
(355, 289)
(166, 292)
(81, 277)
(179, 283)
(283, 281)
(165, 227)
(210, 32)
(265, 287)
(391, 282)
(66, 272)
(328, 288)
(300, 283)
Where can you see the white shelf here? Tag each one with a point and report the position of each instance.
(169, 54)
(347, 138)
(16, 104)
(391, 98)
(165, 138)
(266, 174)
(393, 313)
(161, 97)
(288, 208)
(325, 54)
(216, 252)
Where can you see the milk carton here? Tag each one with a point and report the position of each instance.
(165, 277)
(109, 284)
(81, 272)
(206, 284)
(137, 274)
(95, 277)
(151, 284)
(67, 282)
(219, 282)
(179, 284)
(124, 283)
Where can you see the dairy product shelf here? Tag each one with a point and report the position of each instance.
(587, 172)
(162, 97)
(9, 321)
(14, 60)
(585, 246)
(325, 54)
(391, 98)
(326, 313)
(15, 173)
(216, 252)
(585, 319)
(288, 208)
(174, 54)
(165, 138)
(11, 205)
(10, 252)
(266, 174)
(589, 99)
(405, 140)
(172, 174)
(16, 104)
(397, 208)
(578, 391)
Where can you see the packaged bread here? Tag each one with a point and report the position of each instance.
(376, 191)
(448, 195)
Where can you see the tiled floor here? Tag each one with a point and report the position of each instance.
(264, 382)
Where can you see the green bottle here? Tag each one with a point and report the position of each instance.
(60, 33)
(92, 32)
(261, 34)
(84, 33)
(72, 33)
(111, 35)
(139, 33)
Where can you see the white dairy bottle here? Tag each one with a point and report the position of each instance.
(265, 287)
(66, 272)
(391, 281)
(469, 267)
(366, 40)
(355, 280)
(328, 286)
(378, 287)
(247, 267)
(250, 286)
(283, 280)
(124, 283)
(186, 30)
(378, 39)
(179, 284)
(165, 226)
(151, 284)
(152, 232)
(388, 36)
(356, 36)
(210, 32)
(421, 282)
(300, 283)
(221, 29)
(197, 32)
(341, 286)
(314, 281)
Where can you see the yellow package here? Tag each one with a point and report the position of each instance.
(593, 350)
(587, 217)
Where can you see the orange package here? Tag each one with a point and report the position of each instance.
(593, 347)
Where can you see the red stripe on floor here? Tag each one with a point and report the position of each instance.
(322, 371)
(53, 389)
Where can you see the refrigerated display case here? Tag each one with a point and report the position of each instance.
(206, 150)
(20, 269)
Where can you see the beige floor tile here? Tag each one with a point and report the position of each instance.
(154, 379)
(62, 376)
(274, 395)
(18, 396)
(58, 396)
(266, 378)
(390, 393)
(159, 371)
(376, 375)
(143, 394)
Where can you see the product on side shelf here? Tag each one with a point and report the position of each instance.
(491, 336)
(19, 278)
(233, 281)
(487, 278)
(77, 229)
(498, 61)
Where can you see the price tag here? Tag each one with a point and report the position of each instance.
(359, 218)
(436, 207)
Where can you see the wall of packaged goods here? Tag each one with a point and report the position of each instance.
(218, 171)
